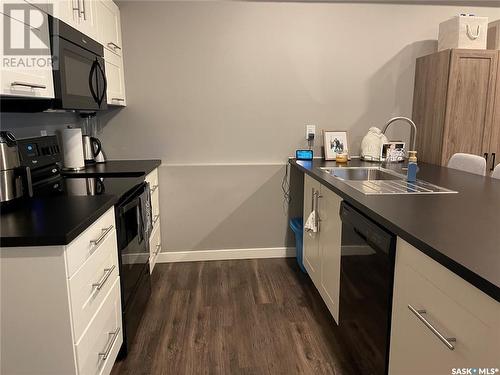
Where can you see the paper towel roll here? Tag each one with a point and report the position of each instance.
(72, 148)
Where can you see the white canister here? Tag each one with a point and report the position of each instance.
(371, 145)
(72, 149)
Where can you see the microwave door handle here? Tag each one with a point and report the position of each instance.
(91, 82)
(105, 87)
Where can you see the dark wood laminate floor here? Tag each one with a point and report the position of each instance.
(235, 317)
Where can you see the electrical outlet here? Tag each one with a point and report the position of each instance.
(310, 129)
(43, 133)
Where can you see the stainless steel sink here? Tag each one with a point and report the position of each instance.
(382, 181)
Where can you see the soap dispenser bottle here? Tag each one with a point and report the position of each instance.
(412, 167)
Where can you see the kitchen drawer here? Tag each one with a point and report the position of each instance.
(81, 248)
(92, 282)
(152, 178)
(103, 336)
(415, 349)
(154, 245)
(463, 293)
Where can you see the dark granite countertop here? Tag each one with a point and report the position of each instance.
(460, 231)
(116, 168)
(59, 218)
(51, 221)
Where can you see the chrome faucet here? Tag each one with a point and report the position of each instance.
(413, 135)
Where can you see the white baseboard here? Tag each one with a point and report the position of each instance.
(225, 254)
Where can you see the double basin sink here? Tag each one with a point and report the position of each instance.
(382, 181)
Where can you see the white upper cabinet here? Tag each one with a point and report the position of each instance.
(108, 25)
(115, 92)
(110, 36)
(80, 14)
(22, 74)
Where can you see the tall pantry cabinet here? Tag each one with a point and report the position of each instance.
(456, 105)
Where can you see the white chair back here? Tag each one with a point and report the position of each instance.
(468, 163)
(496, 172)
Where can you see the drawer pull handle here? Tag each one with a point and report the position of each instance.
(98, 241)
(27, 84)
(155, 219)
(114, 46)
(445, 340)
(153, 188)
(117, 99)
(107, 273)
(113, 336)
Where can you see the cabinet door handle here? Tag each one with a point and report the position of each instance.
(312, 199)
(114, 46)
(155, 219)
(316, 197)
(107, 273)
(83, 11)
(493, 156)
(153, 188)
(99, 239)
(27, 84)
(113, 336)
(77, 8)
(445, 340)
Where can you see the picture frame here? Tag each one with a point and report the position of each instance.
(393, 151)
(334, 142)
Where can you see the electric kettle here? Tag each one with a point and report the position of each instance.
(91, 148)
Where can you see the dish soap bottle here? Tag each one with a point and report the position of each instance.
(412, 167)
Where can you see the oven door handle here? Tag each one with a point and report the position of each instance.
(132, 204)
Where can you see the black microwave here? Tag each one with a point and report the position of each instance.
(78, 69)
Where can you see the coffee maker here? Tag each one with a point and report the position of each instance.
(15, 180)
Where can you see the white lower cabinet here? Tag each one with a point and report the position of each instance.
(322, 249)
(61, 311)
(439, 321)
(96, 351)
(155, 238)
(311, 254)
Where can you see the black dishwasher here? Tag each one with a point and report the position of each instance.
(366, 281)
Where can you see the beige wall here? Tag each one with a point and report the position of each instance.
(216, 83)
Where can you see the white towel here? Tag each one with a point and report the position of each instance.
(310, 225)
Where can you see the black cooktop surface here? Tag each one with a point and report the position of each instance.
(57, 216)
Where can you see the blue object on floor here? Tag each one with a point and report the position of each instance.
(298, 228)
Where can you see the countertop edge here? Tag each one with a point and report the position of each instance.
(471, 277)
(62, 240)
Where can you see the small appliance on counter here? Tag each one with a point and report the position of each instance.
(92, 147)
(72, 144)
(15, 180)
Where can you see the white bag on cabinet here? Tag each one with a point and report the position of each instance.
(463, 31)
